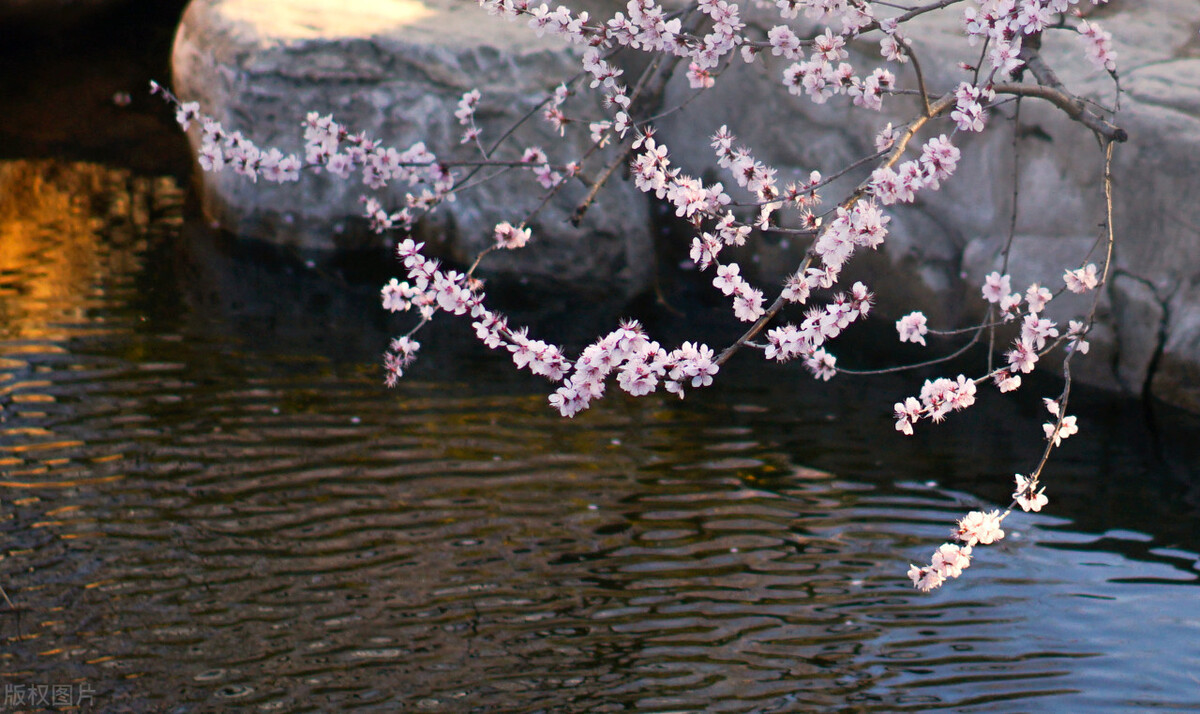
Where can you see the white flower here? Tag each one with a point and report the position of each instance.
(912, 328)
(1081, 280)
(1065, 429)
(1027, 495)
(996, 287)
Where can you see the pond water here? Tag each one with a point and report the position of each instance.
(208, 500)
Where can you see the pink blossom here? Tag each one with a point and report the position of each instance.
(784, 42)
(969, 112)
(1082, 279)
(693, 364)
(187, 113)
(796, 289)
(393, 368)
(1006, 381)
(1009, 305)
(996, 287)
(1064, 429)
(1004, 57)
(1035, 331)
(1098, 46)
(939, 159)
(925, 579)
(699, 77)
(1076, 331)
(892, 49)
(950, 560)
(886, 137)
(1022, 357)
(397, 296)
(704, 250)
(912, 328)
(1037, 297)
(830, 46)
(1027, 495)
(822, 364)
(885, 184)
(509, 237)
(908, 413)
(979, 527)
(785, 343)
(570, 399)
(639, 376)
(747, 304)
(728, 280)
(466, 107)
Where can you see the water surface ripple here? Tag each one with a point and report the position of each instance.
(195, 520)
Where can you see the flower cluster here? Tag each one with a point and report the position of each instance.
(466, 116)
(820, 79)
(640, 364)
(755, 177)
(1098, 46)
(939, 159)
(968, 112)
(328, 145)
(949, 560)
(938, 398)
(862, 226)
(1002, 24)
(820, 325)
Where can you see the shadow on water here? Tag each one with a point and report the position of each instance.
(208, 501)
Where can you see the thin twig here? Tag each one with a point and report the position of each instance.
(928, 363)
(920, 81)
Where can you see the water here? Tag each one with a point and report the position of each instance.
(208, 500)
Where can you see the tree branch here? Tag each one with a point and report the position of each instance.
(1051, 89)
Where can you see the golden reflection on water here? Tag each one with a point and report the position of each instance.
(69, 232)
(72, 237)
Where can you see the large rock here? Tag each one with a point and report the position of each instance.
(396, 70)
(1149, 330)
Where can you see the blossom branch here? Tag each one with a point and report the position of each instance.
(655, 92)
(901, 143)
(1051, 89)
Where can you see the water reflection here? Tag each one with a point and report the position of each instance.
(209, 501)
(71, 237)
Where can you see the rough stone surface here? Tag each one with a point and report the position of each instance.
(396, 70)
(948, 240)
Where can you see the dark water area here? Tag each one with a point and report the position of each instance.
(209, 502)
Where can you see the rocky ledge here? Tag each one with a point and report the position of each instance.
(397, 69)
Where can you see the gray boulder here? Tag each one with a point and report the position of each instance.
(1148, 336)
(397, 70)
